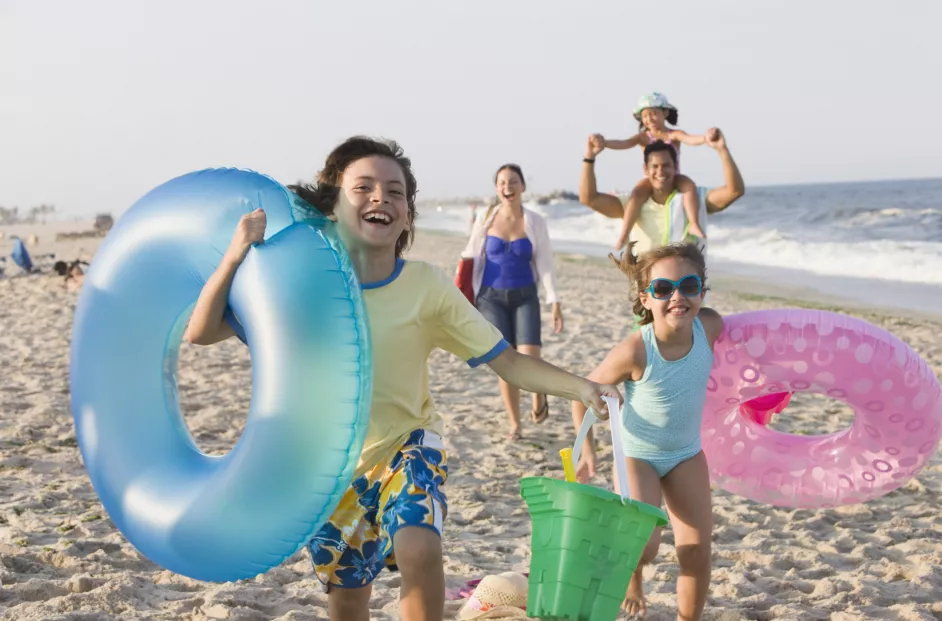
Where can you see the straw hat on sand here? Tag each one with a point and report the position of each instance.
(497, 597)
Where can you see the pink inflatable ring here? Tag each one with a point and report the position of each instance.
(896, 398)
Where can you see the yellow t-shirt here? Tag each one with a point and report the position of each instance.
(650, 228)
(414, 311)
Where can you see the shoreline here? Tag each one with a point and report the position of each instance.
(753, 287)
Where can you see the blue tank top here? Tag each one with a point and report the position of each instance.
(663, 410)
(507, 264)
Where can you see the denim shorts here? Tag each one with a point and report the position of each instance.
(515, 312)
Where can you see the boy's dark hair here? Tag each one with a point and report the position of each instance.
(323, 194)
(656, 147)
(638, 270)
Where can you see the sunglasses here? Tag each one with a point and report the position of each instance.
(662, 288)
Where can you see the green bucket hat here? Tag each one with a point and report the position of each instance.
(654, 100)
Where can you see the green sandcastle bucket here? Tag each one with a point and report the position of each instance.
(586, 544)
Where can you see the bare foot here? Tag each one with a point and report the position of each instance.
(695, 230)
(634, 603)
(515, 434)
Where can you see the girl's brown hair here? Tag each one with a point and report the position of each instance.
(323, 194)
(638, 270)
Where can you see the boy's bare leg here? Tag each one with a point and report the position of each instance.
(349, 604)
(418, 553)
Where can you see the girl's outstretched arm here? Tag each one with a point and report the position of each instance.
(538, 376)
(627, 143)
(683, 137)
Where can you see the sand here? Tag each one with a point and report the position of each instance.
(61, 557)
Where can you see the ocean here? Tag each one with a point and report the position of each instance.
(877, 243)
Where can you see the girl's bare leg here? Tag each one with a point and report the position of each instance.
(639, 195)
(688, 192)
(689, 503)
(644, 486)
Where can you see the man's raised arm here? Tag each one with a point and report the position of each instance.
(606, 204)
(733, 187)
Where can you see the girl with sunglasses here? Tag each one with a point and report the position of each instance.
(665, 368)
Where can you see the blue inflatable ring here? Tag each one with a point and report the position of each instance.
(296, 295)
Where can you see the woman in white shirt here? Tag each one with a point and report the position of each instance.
(513, 257)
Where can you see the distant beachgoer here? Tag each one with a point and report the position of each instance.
(512, 252)
(20, 255)
(75, 277)
(73, 272)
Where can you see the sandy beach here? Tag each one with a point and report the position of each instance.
(62, 559)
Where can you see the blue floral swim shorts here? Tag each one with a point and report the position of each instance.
(356, 542)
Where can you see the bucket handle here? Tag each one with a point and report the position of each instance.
(615, 422)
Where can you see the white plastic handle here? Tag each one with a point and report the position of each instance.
(614, 420)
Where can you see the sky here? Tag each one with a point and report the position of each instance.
(103, 100)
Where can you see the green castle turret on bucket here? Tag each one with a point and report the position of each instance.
(586, 541)
(586, 544)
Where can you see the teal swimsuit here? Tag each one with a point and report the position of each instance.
(663, 410)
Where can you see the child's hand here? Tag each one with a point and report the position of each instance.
(591, 396)
(595, 145)
(715, 138)
(585, 469)
(250, 230)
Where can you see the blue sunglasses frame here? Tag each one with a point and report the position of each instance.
(675, 285)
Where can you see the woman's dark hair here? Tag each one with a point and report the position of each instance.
(638, 270)
(513, 167)
(323, 194)
(670, 115)
(660, 145)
